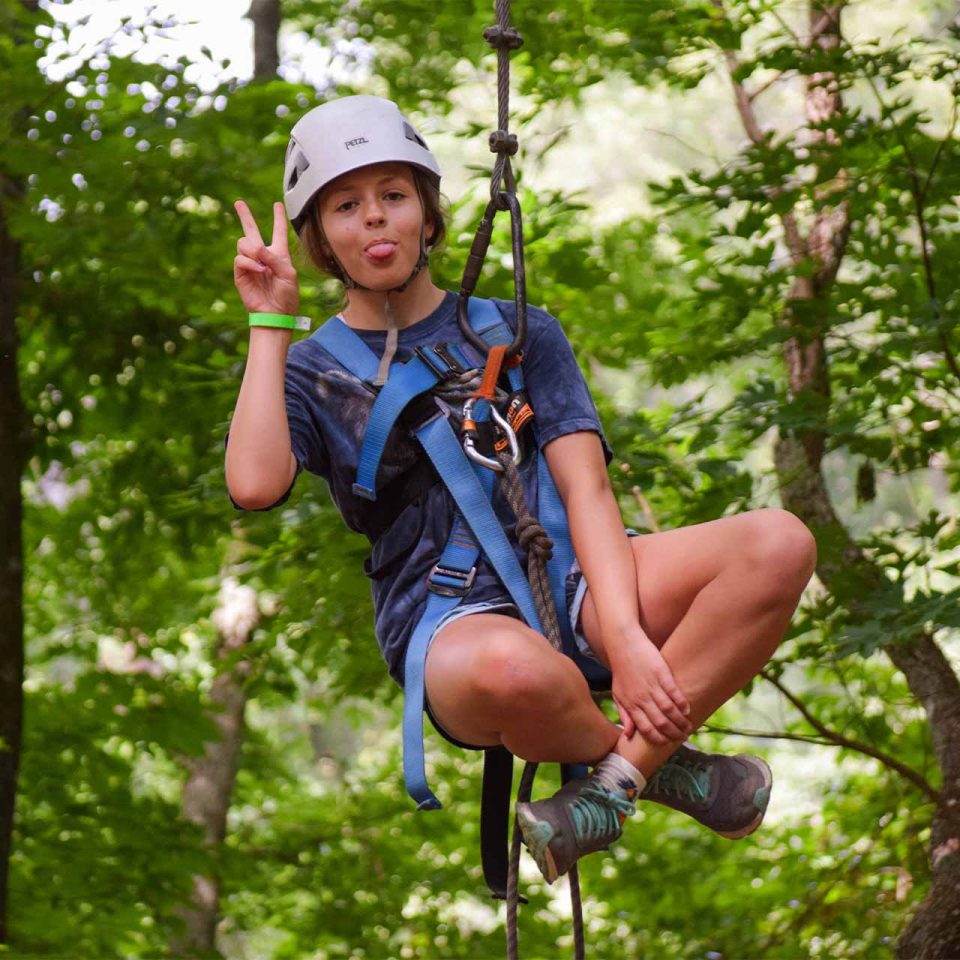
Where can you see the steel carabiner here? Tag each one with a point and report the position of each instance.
(470, 437)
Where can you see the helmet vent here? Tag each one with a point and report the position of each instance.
(412, 134)
(300, 163)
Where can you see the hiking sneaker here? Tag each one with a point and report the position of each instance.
(581, 817)
(727, 794)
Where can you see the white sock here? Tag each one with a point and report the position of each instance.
(613, 770)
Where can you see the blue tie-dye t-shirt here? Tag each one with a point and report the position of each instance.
(327, 411)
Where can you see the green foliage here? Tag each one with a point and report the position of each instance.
(131, 350)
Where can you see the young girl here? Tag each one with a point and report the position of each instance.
(683, 619)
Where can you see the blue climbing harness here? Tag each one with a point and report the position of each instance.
(475, 528)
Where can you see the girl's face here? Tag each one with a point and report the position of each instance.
(372, 218)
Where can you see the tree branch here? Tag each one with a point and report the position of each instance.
(753, 94)
(829, 18)
(795, 240)
(841, 741)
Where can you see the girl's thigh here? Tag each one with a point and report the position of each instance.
(771, 548)
(475, 666)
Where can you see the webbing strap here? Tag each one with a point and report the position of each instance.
(491, 373)
(347, 349)
(456, 471)
(495, 818)
(406, 381)
(453, 574)
(414, 767)
(553, 518)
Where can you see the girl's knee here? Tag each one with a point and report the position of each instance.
(518, 675)
(780, 549)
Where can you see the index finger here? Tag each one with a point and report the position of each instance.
(279, 242)
(250, 228)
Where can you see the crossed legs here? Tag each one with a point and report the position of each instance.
(715, 597)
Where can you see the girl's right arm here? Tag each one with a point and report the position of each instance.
(260, 465)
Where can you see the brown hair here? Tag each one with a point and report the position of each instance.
(313, 240)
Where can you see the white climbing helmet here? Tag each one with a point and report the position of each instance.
(344, 135)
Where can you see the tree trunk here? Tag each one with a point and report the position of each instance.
(207, 793)
(209, 787)
(842, 566)
(934, 931)
(265, 15)
(14, 445)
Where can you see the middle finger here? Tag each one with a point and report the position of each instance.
(671, 711)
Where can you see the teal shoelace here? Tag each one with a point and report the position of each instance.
(594, 812)
(691, 783)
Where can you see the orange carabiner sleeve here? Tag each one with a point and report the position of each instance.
(491, 373)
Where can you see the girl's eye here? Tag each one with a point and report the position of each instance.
(343, 207)
(395, 195)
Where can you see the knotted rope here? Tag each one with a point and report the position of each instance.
(537, 546)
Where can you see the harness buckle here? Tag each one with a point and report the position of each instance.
(448, 589)
(440, 360)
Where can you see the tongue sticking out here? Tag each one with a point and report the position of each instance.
(380, 251)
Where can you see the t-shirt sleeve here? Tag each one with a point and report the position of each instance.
(306, 442)
(556, 386)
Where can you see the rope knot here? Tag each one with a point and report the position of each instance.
(503, 142)
(533, 538)
(501, 38)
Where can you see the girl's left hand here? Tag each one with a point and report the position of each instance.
(647, 696)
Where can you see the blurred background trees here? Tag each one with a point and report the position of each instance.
(745, 216)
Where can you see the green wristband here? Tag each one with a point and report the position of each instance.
(279, 320)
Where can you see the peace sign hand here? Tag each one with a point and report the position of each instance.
(264, 276)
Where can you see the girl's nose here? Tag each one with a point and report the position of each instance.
(374, 213)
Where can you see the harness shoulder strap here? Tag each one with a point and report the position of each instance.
(347, 349)
(406, 380)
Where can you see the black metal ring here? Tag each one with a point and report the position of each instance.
(506, 201)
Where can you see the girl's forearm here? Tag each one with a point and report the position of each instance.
(603, 550)
(259, 463)
(604, 553)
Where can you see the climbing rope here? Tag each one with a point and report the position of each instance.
(504, 38)
(536, 544)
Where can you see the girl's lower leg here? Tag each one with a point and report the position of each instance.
(715, 650)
